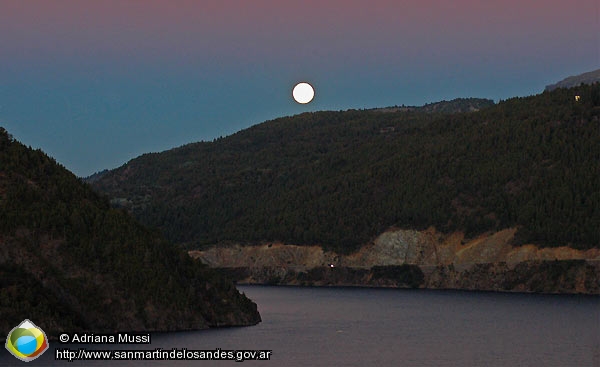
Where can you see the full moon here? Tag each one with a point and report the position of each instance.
(303, 93)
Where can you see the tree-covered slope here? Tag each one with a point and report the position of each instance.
(70, 262)
(340, 178)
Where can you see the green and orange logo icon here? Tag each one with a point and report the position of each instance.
(26, 341)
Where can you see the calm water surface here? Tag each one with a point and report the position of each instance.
(385, 327)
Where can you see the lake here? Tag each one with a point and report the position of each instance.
(392, 327)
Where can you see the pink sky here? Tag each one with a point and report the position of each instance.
(213, 67)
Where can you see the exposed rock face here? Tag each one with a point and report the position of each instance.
(267, 255)
(394, 247)
(488, 262)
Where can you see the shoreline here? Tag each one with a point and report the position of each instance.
(536, 277)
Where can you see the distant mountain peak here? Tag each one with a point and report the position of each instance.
(590, 77)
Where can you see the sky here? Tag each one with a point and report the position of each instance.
(97, 83)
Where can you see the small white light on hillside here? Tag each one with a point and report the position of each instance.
(577, 98)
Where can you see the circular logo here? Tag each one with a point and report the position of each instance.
(26, 341)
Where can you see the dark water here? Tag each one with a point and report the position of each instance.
(384, 327)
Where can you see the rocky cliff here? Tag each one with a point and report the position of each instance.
(409, 258)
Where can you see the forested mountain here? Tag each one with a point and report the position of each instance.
(338, 179)
(453, 106)
(70, 262)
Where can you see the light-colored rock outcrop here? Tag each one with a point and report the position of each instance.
(409, 258)
(395, 247)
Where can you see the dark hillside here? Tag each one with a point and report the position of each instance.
(340, 178)
(70, 262)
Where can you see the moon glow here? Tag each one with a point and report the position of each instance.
(303, 93)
